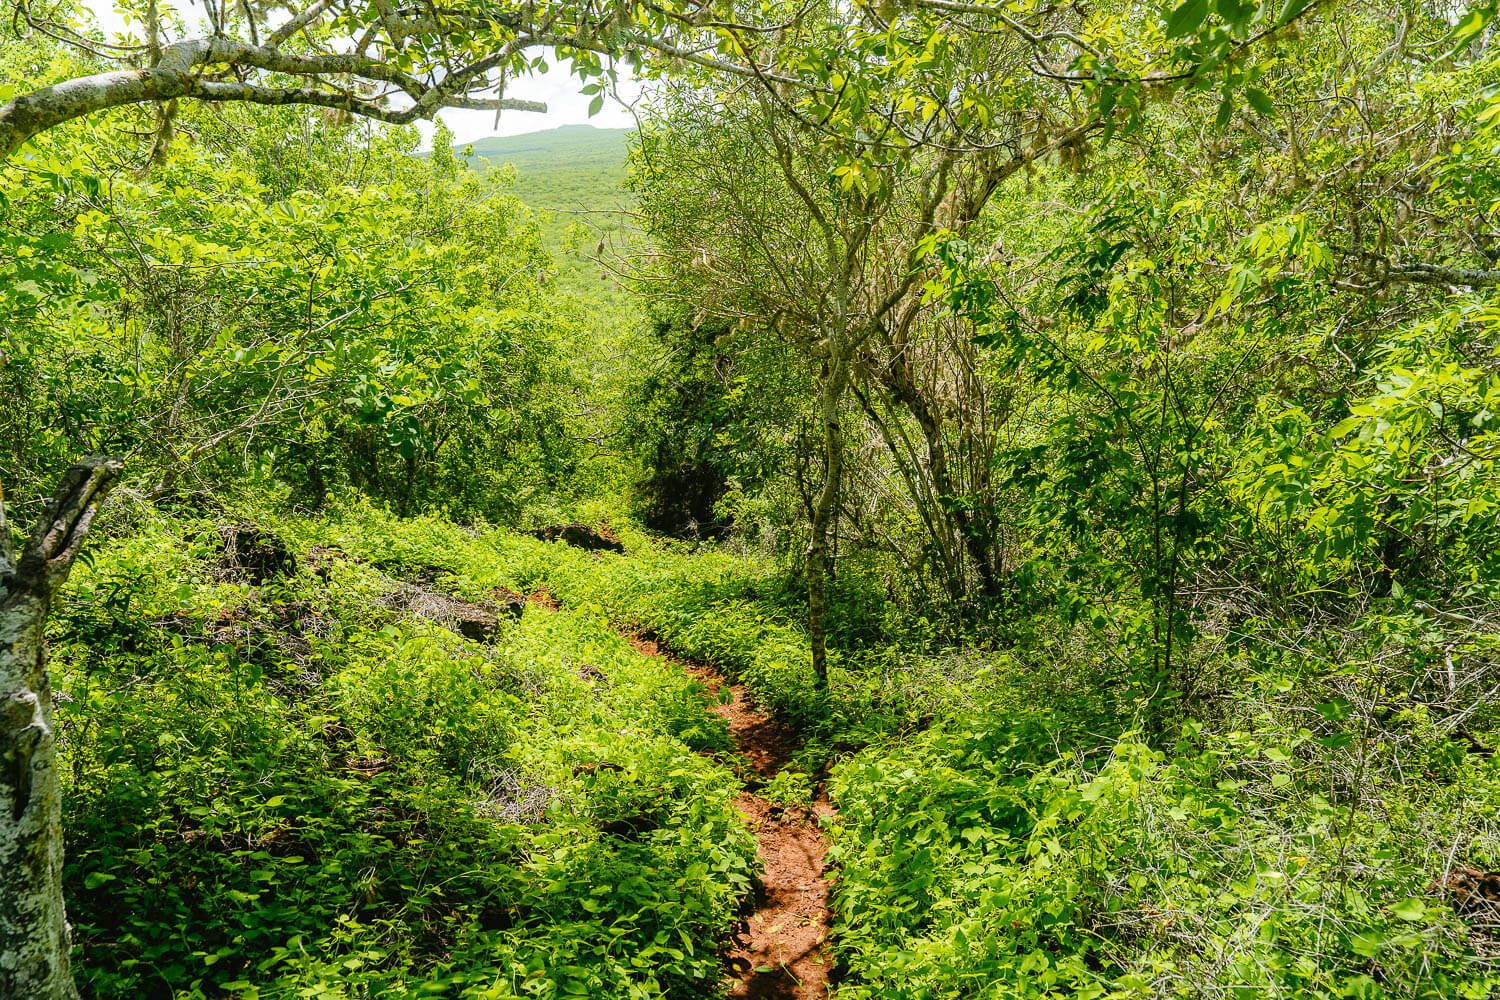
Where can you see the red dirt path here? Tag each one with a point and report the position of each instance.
(781, 951)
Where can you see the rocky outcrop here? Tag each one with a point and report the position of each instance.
(254, 554)
(580, 536)
(475, 620)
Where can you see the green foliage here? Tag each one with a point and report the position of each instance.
(1425, 409)
(217, 325)
(574, 177)
(706, 422)
(973, 864)
(788, 788)
(1163, 606)
(561, 171)
(705, 609)
(293, 790)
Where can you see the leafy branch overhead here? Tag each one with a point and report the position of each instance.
(880, 77)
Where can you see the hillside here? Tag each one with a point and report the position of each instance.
(567, 168)
(575, 175)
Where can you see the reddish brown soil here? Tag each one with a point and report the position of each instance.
(781, 951)
(542, 598)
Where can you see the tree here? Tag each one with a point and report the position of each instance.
(1184, 347)
(395, 64)
(34, 948)
(384, 323)
(756, 221)
(880, 79)
(876, 121)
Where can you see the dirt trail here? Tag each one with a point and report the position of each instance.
(781, 951)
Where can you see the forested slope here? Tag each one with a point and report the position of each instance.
(1020, 519)
(574, 177)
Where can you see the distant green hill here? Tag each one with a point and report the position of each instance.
(577, 174)
(557, 163)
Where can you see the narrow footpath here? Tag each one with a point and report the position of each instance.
(781, 951)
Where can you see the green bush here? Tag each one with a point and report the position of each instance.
(975, 861)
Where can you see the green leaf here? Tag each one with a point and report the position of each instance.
(595, 105)
(1345, 426)
(1236, 13)
(1410, 908)
(1472, 24)
(1186, 18)
(1260, 102)
(1226, 111)
(1335, 709)
(1291, 9)
(94, 880)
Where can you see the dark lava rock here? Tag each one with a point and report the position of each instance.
(419, 573)
(254, 553)
(513, 603)
(1472, 892)
(474, 622)
(580, 536)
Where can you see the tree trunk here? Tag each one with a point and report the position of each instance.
(34, 947)
(974, 537)
(830, 394)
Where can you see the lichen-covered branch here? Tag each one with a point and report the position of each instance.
(181, 72)
(34, 947)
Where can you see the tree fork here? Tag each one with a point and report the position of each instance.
(34, 948)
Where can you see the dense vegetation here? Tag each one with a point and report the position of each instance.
(313, 787)
(1080, 427)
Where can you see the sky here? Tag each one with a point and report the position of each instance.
(557, 88)
(565, 106)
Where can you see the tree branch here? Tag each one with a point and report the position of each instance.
(7, 548)
(1436, 274)
(176, 75)
(65, 522)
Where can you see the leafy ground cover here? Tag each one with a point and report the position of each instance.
(989, 847)
(306, 789)
(316, 787)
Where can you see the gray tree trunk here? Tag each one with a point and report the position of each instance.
(34, 947)
(830, 395)
(898, 378)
